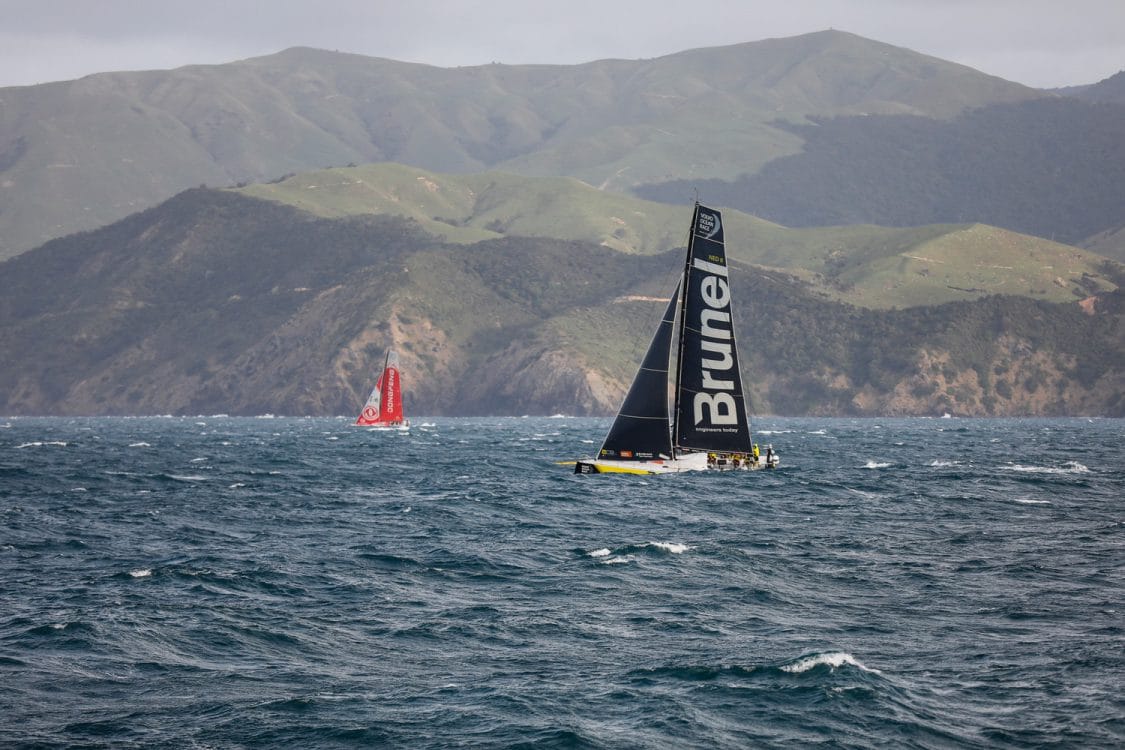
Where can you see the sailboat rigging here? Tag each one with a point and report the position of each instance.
(710, 425)
(383, 409)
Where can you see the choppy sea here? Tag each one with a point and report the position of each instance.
(225, 582)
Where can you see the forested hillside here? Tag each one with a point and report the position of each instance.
(218, 303)
(1053, 168)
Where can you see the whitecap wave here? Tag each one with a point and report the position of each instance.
(1070, 467)
(625, 554)
(876, 465)
(606, 556)
(141, 573)
(673, 547)
(832, 659)
(42, 443)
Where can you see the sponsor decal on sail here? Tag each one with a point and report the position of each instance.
(709, 427)
(714, 404)
(709, 224)
(390, 391)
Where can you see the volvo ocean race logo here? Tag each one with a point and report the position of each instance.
(708, 225)
(714, 403)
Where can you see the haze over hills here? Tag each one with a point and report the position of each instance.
(1110, 89)
(78, 154)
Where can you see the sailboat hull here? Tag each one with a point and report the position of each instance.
(688, 462)
(376, 427)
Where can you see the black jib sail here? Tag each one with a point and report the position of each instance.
(640, 431)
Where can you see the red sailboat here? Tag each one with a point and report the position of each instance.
(384, 406)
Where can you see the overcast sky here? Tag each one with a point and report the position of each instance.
(1042, 43)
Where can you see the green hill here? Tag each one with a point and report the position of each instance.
(488, 205)
(218, 302)
(864, 265)
(1050, 167)
(79, 154)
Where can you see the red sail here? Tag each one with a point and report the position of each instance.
(384, 405)
(390, 411)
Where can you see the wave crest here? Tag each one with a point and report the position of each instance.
(1070, 467)
(831, 659)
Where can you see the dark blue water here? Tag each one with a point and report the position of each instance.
(231, 583)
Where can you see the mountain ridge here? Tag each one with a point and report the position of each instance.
(79, 154)
(523, 275)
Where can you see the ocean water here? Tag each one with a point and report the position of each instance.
(241, 583)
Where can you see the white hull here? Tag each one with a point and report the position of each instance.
(387, 428)
(687, 462)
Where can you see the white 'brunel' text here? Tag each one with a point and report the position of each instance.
(716, 404)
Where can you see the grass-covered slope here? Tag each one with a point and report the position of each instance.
(864, 265)
(218, 302)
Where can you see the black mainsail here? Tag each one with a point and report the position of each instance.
(710, 411)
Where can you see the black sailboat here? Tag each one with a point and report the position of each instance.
(710, 426)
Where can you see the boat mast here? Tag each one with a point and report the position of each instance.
(684, 277)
